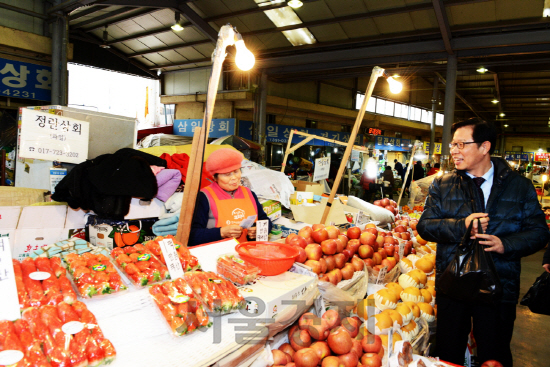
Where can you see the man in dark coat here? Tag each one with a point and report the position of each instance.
(513, 224)
(398, 167)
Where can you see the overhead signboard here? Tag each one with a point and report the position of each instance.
(276, 133)
(437, 149)
(393, 144)
(25, 80)
(53, 137)
(218, 127)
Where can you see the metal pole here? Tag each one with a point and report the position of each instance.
(56, 61)
(63, 81)
(262, 112)
(434, 115)
(450, 95)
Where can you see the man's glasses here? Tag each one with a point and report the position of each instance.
(460, 145)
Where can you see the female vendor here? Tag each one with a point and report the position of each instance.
(224, 204)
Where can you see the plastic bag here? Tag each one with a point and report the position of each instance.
(471, 275)
(419, 190)
(537, 297)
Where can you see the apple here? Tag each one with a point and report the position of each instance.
(392, 260)
(347, 271)
(371, 360)
(332, 277)
(390, 240)
(347, 253)
(344, 239)
(349, 359)
(319, 235)
(385, 202)
(351, 325)
(300, 339)
(333, 232)
(317, 226)
(377, 203)
(306, 357)
(339, 340)
(287, 348)
(321, 349)
(365, 252)
(379, 242)
(491, 363)
(331, 264)
(369, 262)
(302, 256)
(399, 229)
(340, 260)
(391, 209)
(309, 240)
(323, 264)
(340, 245)
(383, 252)
(393, 203)
(314, 251)
(298, 241)
(372, 230)
(413, 251)
(305, 232)
(377, 268)
(413, 224)
(376, 258)
(332, 317)
(329, 247)
(357, 263)
(331, 361)
(338, 273)
(290, 236)
(324, 278)
(305, 320)
(280, 357)
(389, 248)
(387, 264)
(314, 265)
(405, 236)
(353, 245)
(318, 329)
(371, 343)
(415, 232)
(357, 348)
(367, 238)
(353, 233)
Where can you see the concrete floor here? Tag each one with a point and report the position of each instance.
(530, 343)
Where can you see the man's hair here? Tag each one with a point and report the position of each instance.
(395, 161)
(482, 131)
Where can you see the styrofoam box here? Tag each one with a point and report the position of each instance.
(9, 216)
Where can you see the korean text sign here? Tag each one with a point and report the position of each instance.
(218, 127)
(279, 134)
(24, 80)
(322, 168)
(394, 144)
(53, 137)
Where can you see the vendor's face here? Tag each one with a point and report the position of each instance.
(229, 181)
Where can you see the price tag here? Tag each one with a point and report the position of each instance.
(10, 357)
(9, 307)
(362, 218)
(39, 275)
(355, 156)
(319, 304)
(390, 344)
(322, 168)
(262, 230)
(381, 276)
(53, 137)
(172, 259)
(401, 250)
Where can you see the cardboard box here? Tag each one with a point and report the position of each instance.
(301, 198)
(313, 214)
(265, 297)
(101, 232)
(272, 208)
(9, 216)
(314, 187)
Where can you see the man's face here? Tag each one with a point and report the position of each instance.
(471, 156)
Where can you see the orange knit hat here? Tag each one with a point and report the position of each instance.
(224, 160)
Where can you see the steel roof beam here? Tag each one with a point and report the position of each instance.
(197, 21)
(441, 15)
(168, 48)
(102, 17)
(23, 11)
(135, 13)
(462, 98)
(144, 3)
(88, 11)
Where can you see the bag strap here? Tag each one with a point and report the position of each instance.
(467, 234)
(479, 228)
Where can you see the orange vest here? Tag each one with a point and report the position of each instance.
(231, 211)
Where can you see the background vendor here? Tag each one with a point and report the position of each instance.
(224, 204)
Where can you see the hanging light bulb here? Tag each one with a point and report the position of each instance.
(335, 150)
(177, 25)
(502, 114)
(244, 59)
(395, 86)
(495, 101)
(482, 70)
(105, 39)
(295, 4)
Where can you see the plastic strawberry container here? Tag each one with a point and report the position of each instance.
(237, 270)
(272, 258)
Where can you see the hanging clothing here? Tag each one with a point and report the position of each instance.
(168, 181)
(180, 161)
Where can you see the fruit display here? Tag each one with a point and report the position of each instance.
(183, 312)
(40, 337)
(331, 254)
(42, 281)
(218, 294)
(72, 245)
(140, 265)
(387, 204)
(236, 269)
(94, 274)
(188, 262)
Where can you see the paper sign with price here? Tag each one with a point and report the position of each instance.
(262, 230)
(171, 257)
(322, 168)
(53, 137)
(9, 307)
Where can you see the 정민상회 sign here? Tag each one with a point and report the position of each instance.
(218, 127)
(25, 80)
(53, 137)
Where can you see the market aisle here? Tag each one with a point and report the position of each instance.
(530, 343)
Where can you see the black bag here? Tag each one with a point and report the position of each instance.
(474, 277)
(537, 297)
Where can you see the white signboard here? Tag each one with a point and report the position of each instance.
(262, 230)
(53, 137)
(355, 155)
(9, 307)
(322, 168)
(172, 259)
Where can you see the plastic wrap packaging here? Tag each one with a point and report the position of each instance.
(188, 261)
(376, 213)
(237, 270)
(182, 311)
(139, 265)
(218, 295)
(419, 190)
(384, 278)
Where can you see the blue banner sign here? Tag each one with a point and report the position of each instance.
(517, 156)
(394, 144)
(218, 127)
(245, 129)
(24, 80)
(279, 134)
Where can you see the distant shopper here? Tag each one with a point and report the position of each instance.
(434, 170)
(388, 176)
(418, 171)
(398, 167)
(368, 185)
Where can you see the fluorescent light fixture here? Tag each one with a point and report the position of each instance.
(295, 4)
(286, 16)
(279, 152)
(506, 125)
(502, 114)
(540, 150)
(546, 9)
(482, 70)
(495, 101)
(177, 25)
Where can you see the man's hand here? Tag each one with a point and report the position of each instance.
(546, 267)
(252, 233)
(493, 242)
(232, 231)
(483, 217)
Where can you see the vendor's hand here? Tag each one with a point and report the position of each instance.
(546, 267)
(493, 242)
(232, 231)
(252, 233)
(483, 217)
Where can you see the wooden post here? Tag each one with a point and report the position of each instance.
(376, 72)
(287, 151)
(406, 176)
